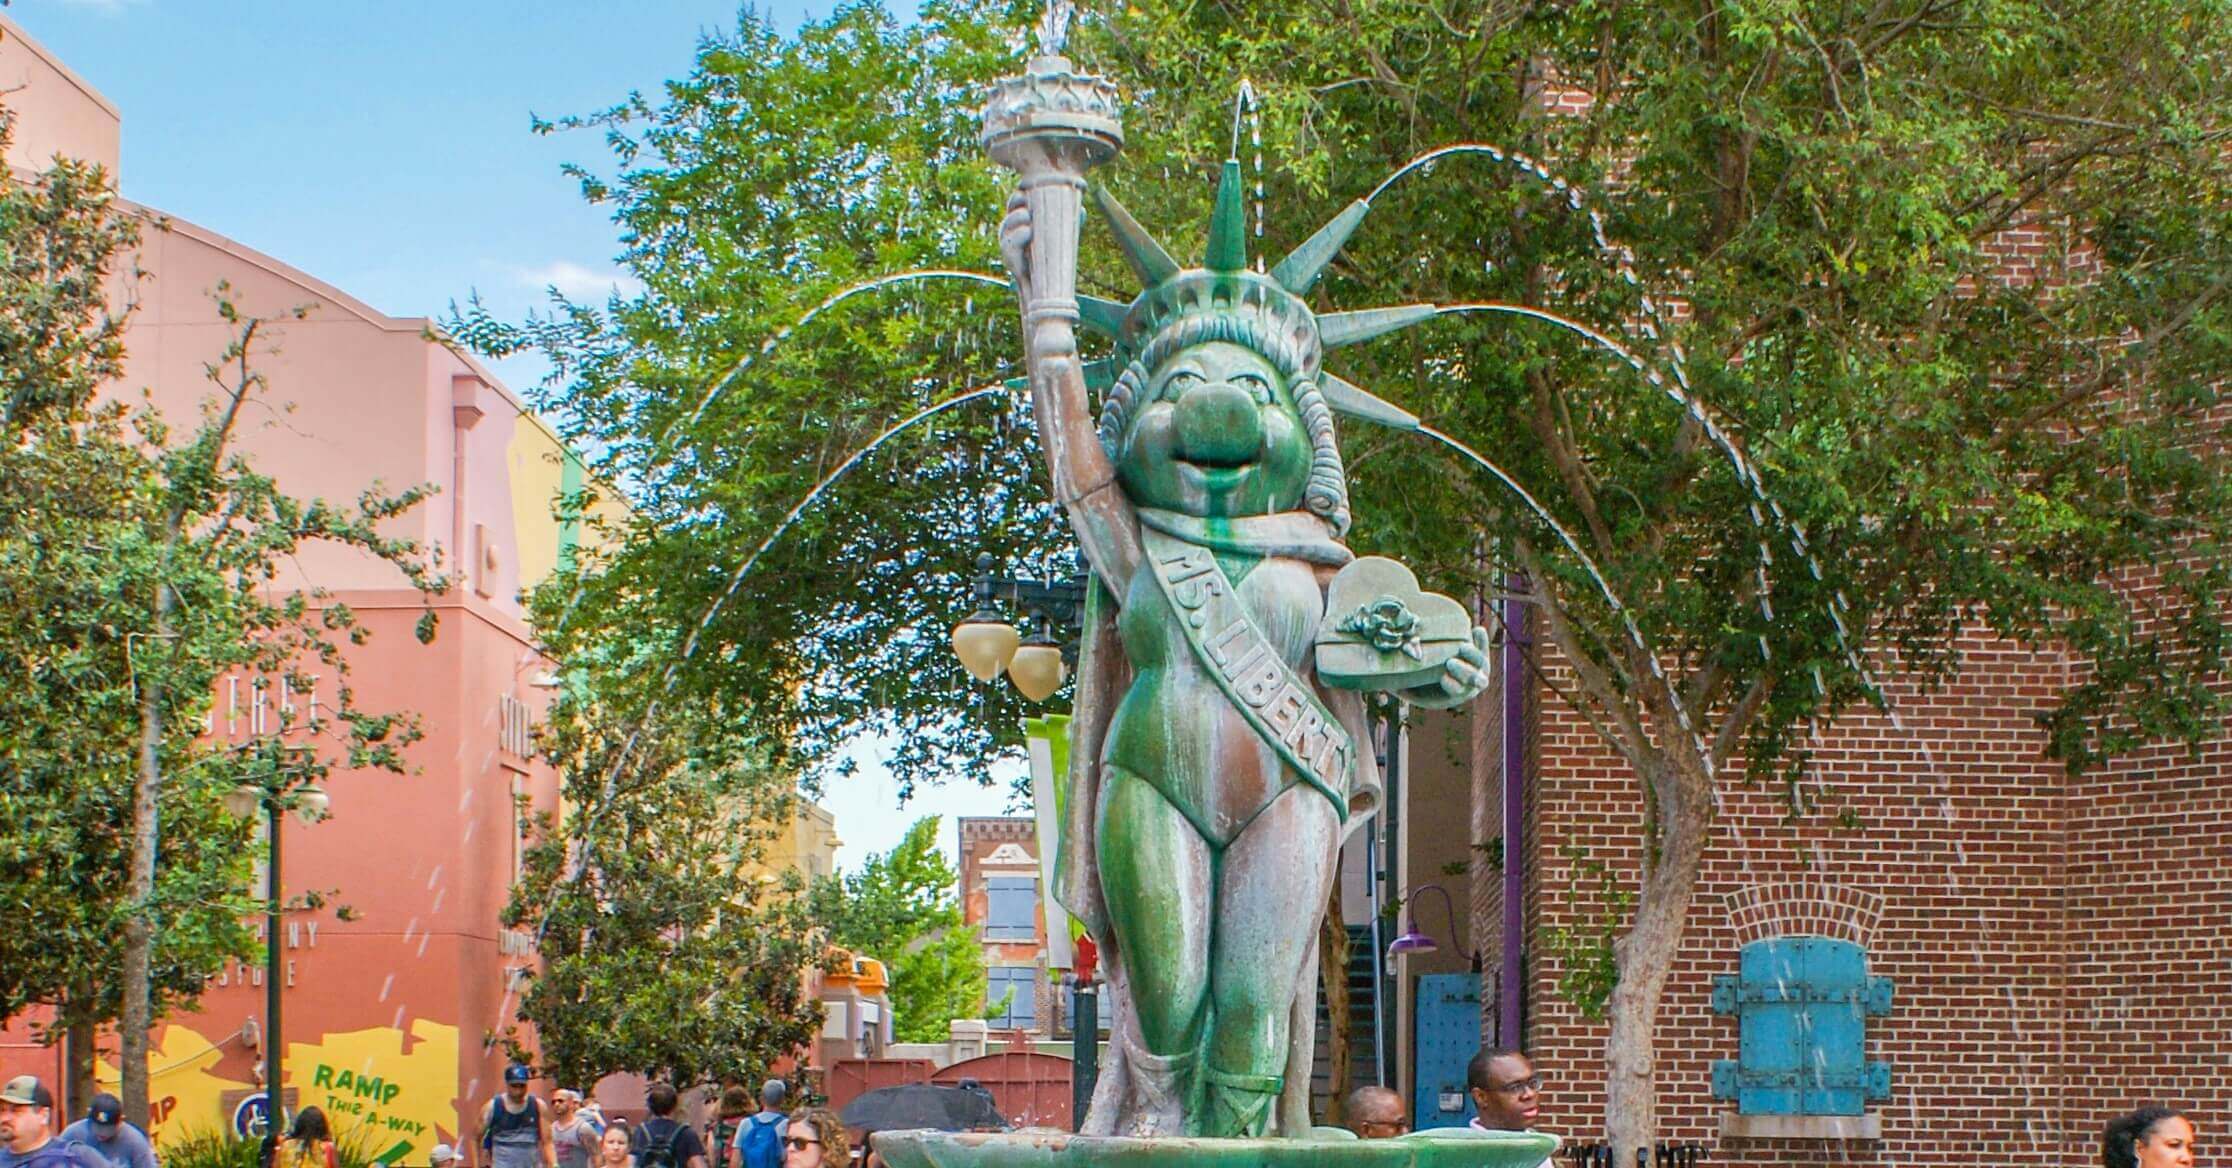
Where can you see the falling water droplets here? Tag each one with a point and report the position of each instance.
(865, 287)
(1604, 588)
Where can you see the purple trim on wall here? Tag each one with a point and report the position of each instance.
(1510, 983)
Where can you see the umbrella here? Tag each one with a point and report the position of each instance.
(920, 1105)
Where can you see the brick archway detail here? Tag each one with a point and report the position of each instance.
(1815, 908)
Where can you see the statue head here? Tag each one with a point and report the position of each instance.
(1220, 415)
(1218, 406)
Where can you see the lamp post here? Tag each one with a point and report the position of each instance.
(1037, 665)
(275, 797)
(987, 644)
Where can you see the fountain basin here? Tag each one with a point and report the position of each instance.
(1331, 1148)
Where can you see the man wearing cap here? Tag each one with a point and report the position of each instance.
(27, 1137)
(104, 1131)
(759, 1139)
(515, 1130)
(444, 1156)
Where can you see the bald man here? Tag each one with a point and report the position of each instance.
(1375, 1113)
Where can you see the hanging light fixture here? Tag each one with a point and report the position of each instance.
(312, 803)
(242, 801)
(1037, 669)
(985, 643)
(1416, 940)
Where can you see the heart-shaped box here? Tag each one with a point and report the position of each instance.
(1382, 632)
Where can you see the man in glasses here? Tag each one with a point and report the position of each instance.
(1506, 1091)
(1375, 1113)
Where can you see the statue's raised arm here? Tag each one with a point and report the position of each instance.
(1050, 125)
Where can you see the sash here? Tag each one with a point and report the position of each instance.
(1282, 708)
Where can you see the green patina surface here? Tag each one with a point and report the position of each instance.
(1223, 772)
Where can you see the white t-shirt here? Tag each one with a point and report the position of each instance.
(1547, 1162)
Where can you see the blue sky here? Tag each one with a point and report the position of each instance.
(384, 148)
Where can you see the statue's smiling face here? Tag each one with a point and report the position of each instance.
(1218, 435)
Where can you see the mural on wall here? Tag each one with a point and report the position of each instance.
(392, 1095)
(188, 1095)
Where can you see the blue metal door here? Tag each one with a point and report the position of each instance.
(1444, 1039)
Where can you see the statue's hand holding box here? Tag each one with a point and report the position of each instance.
(1382, 632)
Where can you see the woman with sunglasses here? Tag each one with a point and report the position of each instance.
(816, 1139)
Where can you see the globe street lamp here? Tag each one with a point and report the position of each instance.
(310, 803)
(987, 644)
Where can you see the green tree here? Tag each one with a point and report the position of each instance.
(664, 951)
(779, 172)
(137, 571)
(1890, 442)
(215, 537)
(73, 489)
(903, 907)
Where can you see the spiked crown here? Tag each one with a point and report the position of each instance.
(1223, 285)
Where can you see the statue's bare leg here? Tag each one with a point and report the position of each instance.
(1157, 877)
(1271, 893)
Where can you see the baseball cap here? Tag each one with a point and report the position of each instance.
(518, 1073)
(443, 1154)
(107, 1111)
(26, 1091)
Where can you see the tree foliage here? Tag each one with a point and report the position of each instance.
(137, 569)
(1843, 432)
(664, 949)
(776, 174)
(903, 907)
(75, 491)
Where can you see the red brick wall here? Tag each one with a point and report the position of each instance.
(1954, 882)
(2150, 906)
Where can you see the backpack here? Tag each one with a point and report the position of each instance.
(762, 1144)
(719, 1137)
(58, 1153)
(658, 1146)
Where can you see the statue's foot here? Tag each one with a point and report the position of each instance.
(1160, 1087)
(1240, 1105)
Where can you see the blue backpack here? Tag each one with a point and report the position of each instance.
(762, 1143)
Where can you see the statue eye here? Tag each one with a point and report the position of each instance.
(1257, 387)
(1180, 382)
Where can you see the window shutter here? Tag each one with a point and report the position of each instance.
(1802, 1005)
(1011, 908)
(1000, 981)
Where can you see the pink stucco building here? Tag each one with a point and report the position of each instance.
(389, 1016)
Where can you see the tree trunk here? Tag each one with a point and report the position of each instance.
(139, 928)
(1646, 955)
(78, 1085)
(1333, 976)
(1483, 879)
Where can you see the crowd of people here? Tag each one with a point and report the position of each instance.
(519, 1130)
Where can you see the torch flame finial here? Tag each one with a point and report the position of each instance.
(1053, 27)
